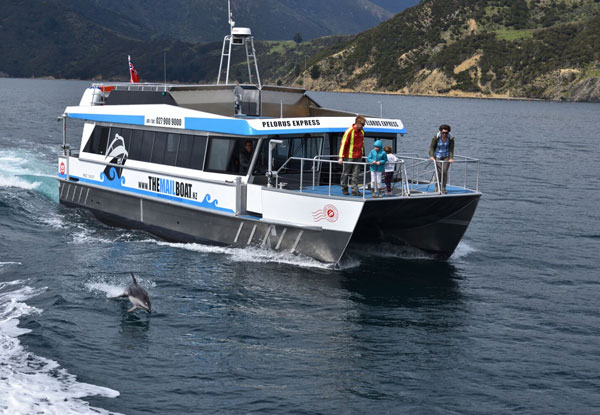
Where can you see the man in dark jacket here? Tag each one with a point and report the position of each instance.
(442, 151)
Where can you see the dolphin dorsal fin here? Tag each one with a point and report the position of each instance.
(133, 277)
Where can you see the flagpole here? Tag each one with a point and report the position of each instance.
(129, 67)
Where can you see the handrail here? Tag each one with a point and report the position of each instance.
(422, 179)
(318, 160)
(423, 173)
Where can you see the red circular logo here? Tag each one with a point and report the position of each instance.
(331, 213)
(62, 168)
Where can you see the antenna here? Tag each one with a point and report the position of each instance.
(231, 21)
(238, 36)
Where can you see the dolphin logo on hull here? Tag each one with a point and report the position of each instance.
(117, 154)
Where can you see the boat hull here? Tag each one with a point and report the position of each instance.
(433, 224)
(179, 223)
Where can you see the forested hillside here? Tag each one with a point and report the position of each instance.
(91, 38)
(46, 41)
(514, 48)
(548, 49)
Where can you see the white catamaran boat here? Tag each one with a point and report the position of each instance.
(251, 165)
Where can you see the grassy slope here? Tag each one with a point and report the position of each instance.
(485, 47)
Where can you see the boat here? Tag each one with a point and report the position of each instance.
(172, 160)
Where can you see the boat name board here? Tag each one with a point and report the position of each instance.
(382, 123)
(292, 123)
(284, 125)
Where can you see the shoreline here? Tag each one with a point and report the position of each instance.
(345, 91)
(463, 95)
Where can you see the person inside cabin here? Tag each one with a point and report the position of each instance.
(441, 151)
(377, 158)
(352, 149)
(390, 167)
(245, 157)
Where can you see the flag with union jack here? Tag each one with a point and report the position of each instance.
(133, 75)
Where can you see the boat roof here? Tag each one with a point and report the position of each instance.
(162, 115)
(210, 108)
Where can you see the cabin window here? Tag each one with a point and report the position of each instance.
(230, 155)
(147, 144)
(191, 152)
(198, 152)
(171, 149)
(158, 151)
(221, 155)
(306, 146)
(98, 141)
(184, 157)
(135, 146)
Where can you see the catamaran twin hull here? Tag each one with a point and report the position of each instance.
(432, 224)
(259, 169)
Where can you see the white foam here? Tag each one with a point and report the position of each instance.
(33, 384)
(23, 169)
(115, 285)
(84, 236)
(54, 221)
(16, 181)
(249, 254)
(9, 263)
(462, 250)
(111, 290)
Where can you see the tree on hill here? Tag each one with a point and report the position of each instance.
(315, 72)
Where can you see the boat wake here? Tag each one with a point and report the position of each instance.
(250, 254)
(29, 383)
(24, 170)
(359, 252)
(385, 250)
(463, 249)
(2, 264)
(353, 259)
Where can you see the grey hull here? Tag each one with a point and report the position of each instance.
(179, 223)
(433, 224)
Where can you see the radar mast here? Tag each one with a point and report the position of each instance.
(238, 36)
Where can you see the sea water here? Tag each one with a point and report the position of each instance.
(509, 324)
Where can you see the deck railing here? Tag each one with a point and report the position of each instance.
(412, 175)
(463, 173)
(320, 172)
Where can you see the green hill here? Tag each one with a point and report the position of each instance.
(206, 20)
(548, 49)
(507, 48)
(44, 41)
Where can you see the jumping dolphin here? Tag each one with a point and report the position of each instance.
(138, 296)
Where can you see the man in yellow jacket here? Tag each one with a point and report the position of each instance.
(352, 149)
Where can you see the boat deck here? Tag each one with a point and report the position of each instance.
(416, 190)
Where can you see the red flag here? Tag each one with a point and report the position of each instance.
(133, 75)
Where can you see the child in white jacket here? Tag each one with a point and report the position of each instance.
(390, 166)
